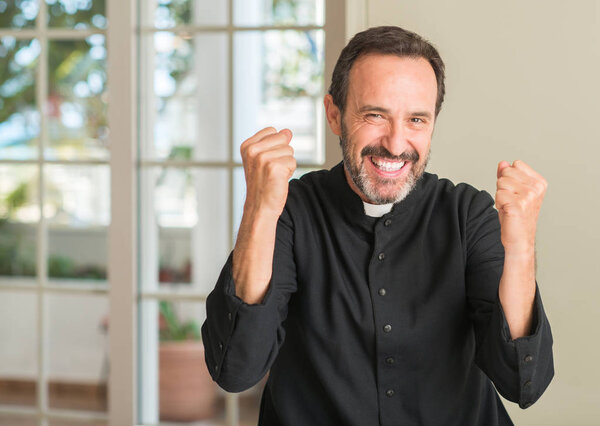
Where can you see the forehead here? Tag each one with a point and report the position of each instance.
(390, 79)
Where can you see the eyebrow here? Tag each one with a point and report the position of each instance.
(373, 108)
(425, 114)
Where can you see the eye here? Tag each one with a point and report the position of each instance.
(374, 115)
(417, 120)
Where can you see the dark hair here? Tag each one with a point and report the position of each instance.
(386, 40)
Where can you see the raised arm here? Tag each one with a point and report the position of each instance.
(519, 195)
(245, 312)
(268, 165)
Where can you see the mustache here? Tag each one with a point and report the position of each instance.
(380, 151)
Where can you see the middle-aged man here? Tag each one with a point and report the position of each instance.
(376, 293)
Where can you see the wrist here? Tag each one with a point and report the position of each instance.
(519, 249)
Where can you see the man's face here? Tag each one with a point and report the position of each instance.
(387, 125)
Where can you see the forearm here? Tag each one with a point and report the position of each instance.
(517, 290)
(253, 255)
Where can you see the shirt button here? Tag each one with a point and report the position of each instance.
(216, 368)
(528, 358)
(382, 291)
(229, 316)
(387, 222)
(389, 360)
(220, 346)
(389, 392)
(387, 328)
(381, 256)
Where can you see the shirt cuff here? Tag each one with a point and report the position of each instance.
(534, 361)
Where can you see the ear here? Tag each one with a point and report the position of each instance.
(333, 114)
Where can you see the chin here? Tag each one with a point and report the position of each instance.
(396, 195)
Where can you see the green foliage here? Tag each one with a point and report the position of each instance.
(60, 267)
(18, 197)
(173, 328)
(17, 81)
(63, 267)
(181, 152)
(16, 259)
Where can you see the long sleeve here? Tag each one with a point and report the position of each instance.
(521, 369)
(242, 340)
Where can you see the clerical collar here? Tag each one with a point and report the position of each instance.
(377, 210)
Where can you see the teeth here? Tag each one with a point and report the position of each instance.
(387, 166)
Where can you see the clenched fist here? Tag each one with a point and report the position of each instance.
(269, 163)
(519, 195)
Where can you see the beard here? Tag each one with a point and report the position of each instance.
(376, 189)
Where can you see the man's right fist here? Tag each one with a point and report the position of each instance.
(269, 164)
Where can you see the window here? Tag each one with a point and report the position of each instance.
(211, 76)
(54, 211)
(121, 189)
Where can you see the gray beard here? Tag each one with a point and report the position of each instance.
(369, 188)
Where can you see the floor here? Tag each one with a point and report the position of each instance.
(93, 398)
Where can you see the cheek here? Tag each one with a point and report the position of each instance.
(421, 141)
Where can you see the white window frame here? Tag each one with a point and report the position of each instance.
(40, 285)
(342, 19)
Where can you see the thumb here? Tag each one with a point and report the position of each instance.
(501, 166)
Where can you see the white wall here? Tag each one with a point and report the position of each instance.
(523, 82)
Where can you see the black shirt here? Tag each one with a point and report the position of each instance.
(392, 321)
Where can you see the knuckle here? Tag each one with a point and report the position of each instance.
(540, 187)
(260, 157)
(251, 151)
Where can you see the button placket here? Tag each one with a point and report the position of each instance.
(384, 311)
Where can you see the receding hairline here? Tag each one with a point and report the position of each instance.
(375, 54)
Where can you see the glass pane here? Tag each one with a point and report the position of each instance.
(186, 115)
(184, 228)
(78, 14)
(19, 214)
(171, 13)
(175, 383)
(19, 349)
(77, 127)
(78, 351)
(18, 14)
(10, 420)
(19, 117)
(77, 209)
(278, 81)
(278, 12)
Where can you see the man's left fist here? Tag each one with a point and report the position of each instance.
(520, 191)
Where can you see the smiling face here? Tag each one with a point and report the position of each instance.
(387, 125)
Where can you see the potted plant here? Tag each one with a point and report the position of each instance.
(186, 390)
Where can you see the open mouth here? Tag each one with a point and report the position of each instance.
(386, 166)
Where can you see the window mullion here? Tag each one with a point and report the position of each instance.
(42, 246)
(232, 411)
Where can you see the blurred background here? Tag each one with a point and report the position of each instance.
(198, 78)
(209, 74)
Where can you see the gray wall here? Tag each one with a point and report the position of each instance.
(523, 79)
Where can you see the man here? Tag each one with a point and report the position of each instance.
(376, 293)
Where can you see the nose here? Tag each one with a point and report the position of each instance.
(396, 141)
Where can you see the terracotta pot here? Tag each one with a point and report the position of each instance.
(186, 390)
